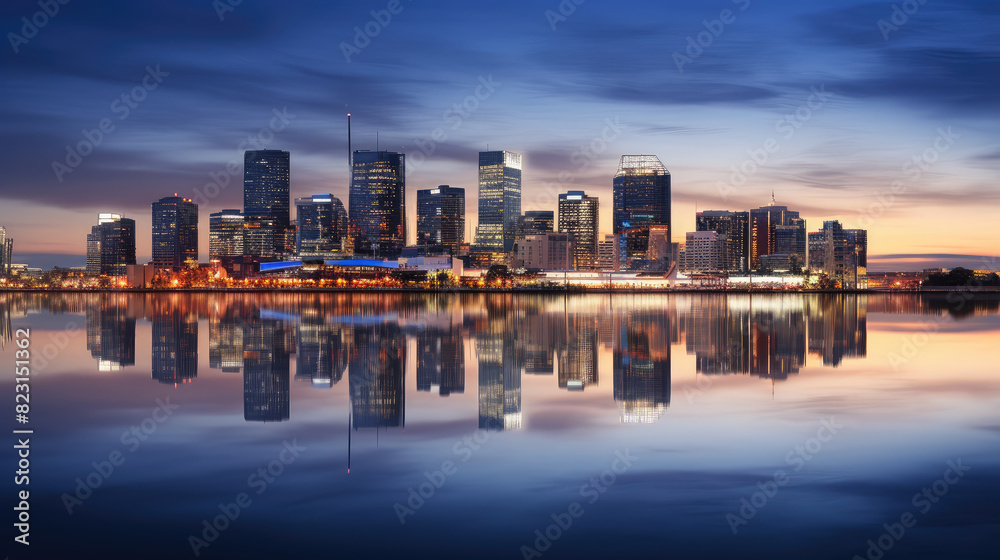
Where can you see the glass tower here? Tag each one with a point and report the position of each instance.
(441, 217)
(321, 225)
(225, 235)
(175, 232)
(578, 217)
(641, 200)
(377, 204)
(499, 201)
(266, 201)
(111, 245)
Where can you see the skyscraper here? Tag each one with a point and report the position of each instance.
(111, 245)
(321, 226)
(6, 252)
(764, 223)
(578, 217)
(641, 200)
(736, 227)
(840, 253)
(175, 232)
(499, 201)
(225, 235)
(266, 201)
(441, 217)
(377, 203)
(536, 222)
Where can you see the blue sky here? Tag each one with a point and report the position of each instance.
(816, 101)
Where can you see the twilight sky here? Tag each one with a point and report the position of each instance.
(833, 106)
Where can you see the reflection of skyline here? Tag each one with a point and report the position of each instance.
(440, 361)
(111, 332)
(767, 336)
(266, 371)
(175, 344)
(376, 376)
(500, 363)
(322, 350)
(642, 364)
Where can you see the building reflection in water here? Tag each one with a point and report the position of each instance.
(175, 342)
(440, 361)
(642, 362)
(767, 335)
(578, 357)
(500, 362)
(266, 369)
(376, 375)
(225, 336)
(111, 332)
(323, 349)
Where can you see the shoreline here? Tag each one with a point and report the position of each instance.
(518, 290)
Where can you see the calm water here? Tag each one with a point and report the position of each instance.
(456, 426)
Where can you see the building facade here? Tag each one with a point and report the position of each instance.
(266, 201)
(704, 251)
(550, 251)
(641, 199)
(175, 232)
(225, 235)
(111, 245)
(441, 217)
(578, 217)
(6, 252)
(321, 226)
(499, 201)
(536, 222)
(377, 204)
(841, 254)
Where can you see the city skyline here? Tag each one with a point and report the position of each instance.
(830, 125)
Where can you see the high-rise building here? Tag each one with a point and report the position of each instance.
(536, 222)
(841, 254)
(441, 217)
(550, 251)
(266, 201)
(735, 226)
(320, 226)
(6, 252)
(607, 252)
(499, 201)
(578, 217)
(641, 200)
(764, 224)
(111, 245)
(175, 232)
(704, 251)
(225, 235)
(377, 203)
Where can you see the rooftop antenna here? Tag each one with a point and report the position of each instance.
(376, 140)
(350, 154)
(773, 203)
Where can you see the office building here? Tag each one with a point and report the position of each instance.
(607, 252)
(441, 218)
(266, 201)
(704, 251)
(111, 245)
(764, 225)
(841, 254)
(735, 226)
(550, 251)
(578, 217)
(225, 235)
(6, 252)
(499, 201)
(321, 226)
(377, 204)
(536, 222)
(175, 232)
(641, 200)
